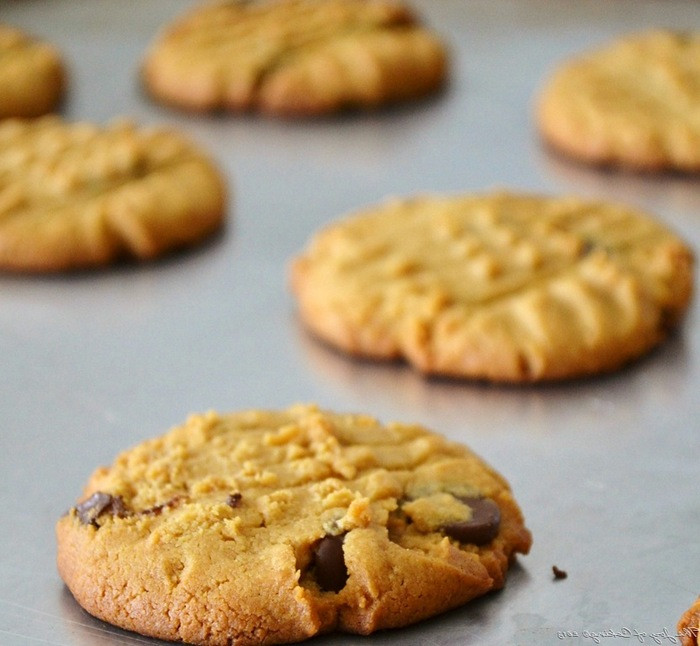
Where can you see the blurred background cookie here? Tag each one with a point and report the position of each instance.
(633, 103)
(689, 626)
(503, 287)
(76, 195)
(294, 57)
(269, 527)
(32, 75)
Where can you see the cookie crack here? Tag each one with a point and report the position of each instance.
(86, 194)
(528, 283)
(292, 53)
(616, 253)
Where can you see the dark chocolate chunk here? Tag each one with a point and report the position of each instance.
(234, 500)
(329, 563)
(481, 528)
(100, 503)
(559, 574)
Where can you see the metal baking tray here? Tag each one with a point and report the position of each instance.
(605, 469)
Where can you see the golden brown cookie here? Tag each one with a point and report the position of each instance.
(294, 57)
(32, 75)
(689, 626)
(80, 195)
(633, 103)
(503, 287)
(270, 527)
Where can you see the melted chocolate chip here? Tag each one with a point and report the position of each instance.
(559, 574)
(329, 561)
(234, 500)
(100, 503)
(118, 508)
(482, 527)
(156, 510)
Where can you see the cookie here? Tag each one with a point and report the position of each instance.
(632, 104)
(294, 57)
(270, 527)
(497, 286)
(79, 195)
(689, 626)
(32, 76)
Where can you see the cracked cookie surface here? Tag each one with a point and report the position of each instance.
(634, 103)
(32, 75)
(265, 527)
(503, 287)
(294, 57)
(77, 195)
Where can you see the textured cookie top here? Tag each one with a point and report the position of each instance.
(498, 286)
(267, 527)
(294, 57)
(31, 75)
(634, 103)
(80, 195)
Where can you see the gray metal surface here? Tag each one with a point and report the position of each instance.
(605, 469)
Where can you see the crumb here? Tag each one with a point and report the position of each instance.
(559, 574)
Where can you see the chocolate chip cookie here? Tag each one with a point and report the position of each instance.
(502, 287)
(267, 527)
(633, 103)
(32, 75)
(294, 57)
(78, 195)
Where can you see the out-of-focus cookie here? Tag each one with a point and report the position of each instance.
(77, 195)
(633, 103)
(270, 527)
(689, 626)
(294, 57)
(32, 75)
(502, 287)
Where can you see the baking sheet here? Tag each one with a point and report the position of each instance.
(605, 469)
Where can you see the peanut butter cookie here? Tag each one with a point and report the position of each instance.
(294, 57)
(634, 104)
(502, 287)
(32, 76)
(270, 527)
(80, 195)
(689, 626)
